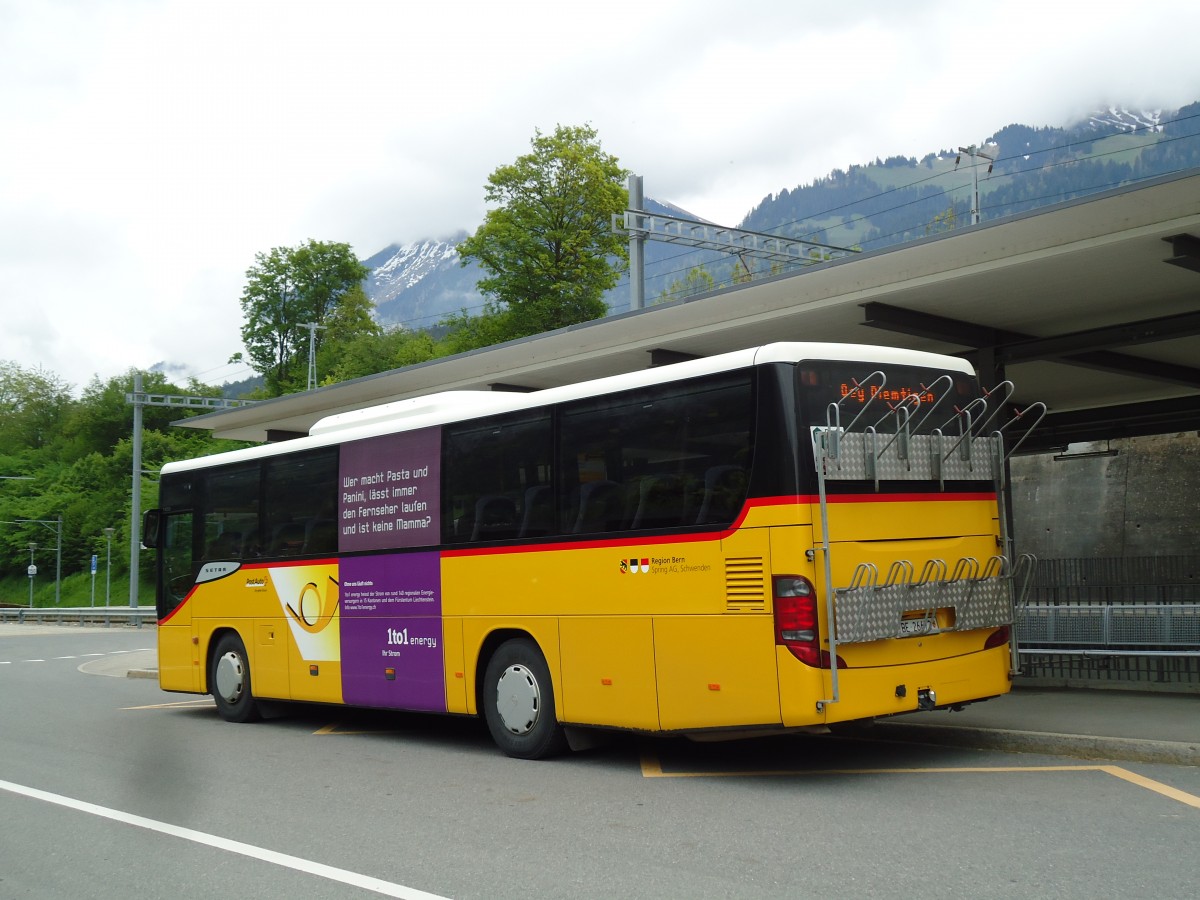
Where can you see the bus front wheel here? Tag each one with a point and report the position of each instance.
(229, 680)
(518, 702)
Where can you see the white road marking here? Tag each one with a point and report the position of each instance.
(344, 876)
(9, 662)
(182, 704)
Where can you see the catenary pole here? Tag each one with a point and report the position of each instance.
(637, 248)
(136, 501)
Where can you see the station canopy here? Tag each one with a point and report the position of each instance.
(1092, 306)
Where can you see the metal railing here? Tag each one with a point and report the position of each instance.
(1137, 629)
(107, 616)
(1137, 579)
(1113, 607)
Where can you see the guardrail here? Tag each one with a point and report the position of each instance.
(106, 615)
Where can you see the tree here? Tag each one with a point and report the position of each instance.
(33, 404)
(72, 459)
(698, 280)
(469, 332)
(103, 416)
(943, 221)
(741, 273)
(549, 245)
(369, 352)
(289, 288)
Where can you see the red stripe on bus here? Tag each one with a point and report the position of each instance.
(182, 604)
(929, 497)
(651, 540)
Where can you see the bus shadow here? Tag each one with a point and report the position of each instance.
(425, 729)
(656, 756)
(790, 755)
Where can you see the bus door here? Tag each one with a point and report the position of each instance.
(178, 655)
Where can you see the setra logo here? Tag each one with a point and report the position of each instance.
(634, 566)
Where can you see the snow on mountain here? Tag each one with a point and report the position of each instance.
(410, 264)
(416, 285)
(1120, 119)
(670, 209)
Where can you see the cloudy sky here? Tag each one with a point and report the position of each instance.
(149, 148)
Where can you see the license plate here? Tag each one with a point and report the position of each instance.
(917, 627)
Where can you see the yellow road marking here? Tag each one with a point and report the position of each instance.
(652, 768)
(1152, 785)
(332, 728)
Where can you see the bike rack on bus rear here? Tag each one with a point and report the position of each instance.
(905, 602)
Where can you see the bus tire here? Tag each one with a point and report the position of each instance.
(518, 702)
(229, 680)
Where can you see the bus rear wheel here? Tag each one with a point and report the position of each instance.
(229, 680)
(518, 702)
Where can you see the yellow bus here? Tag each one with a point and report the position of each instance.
(779, 538)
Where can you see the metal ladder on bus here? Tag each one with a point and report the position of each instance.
(983, 594)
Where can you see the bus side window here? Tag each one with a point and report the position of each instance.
(662, 502)
(600, 508)
(537, 518)
(320, 537)
(301, 504)
(724, 492)
(230, 510)
(670, 456)
(496, 478)
(495, 518)
(287, 539)
(226, 545)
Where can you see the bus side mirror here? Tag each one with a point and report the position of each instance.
(150, 526)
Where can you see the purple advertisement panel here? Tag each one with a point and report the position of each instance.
(389, 492)
(391, 631)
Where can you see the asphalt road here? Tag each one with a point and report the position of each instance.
(110, 788)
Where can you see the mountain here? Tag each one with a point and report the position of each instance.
(867, 206)
(417, 285)
(901, 199)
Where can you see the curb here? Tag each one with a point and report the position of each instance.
(142, 673)
(1081, 746)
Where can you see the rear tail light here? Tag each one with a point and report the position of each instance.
(998, 638)
(795, 603)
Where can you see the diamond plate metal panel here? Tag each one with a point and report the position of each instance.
(988, 603)
(872, 613)
(888, 457)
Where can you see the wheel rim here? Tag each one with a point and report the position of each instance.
(518, 699)
(231, 677)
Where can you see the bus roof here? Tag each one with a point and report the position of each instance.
(451, 406)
